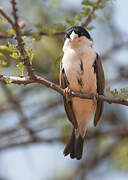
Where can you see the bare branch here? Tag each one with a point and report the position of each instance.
(90, 163)
(22, 117)
(119, 132)
(27, 143)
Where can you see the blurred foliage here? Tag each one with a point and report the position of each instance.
(119, 155)
(50, 28)
(122, 94)
(87, 7)
(43, 107)
(55, 66)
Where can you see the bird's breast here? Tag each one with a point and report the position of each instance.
(80, 72)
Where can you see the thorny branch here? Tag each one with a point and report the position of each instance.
(41, 80)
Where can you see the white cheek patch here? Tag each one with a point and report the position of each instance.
(73, 35)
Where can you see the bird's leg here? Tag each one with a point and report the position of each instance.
(67, 93)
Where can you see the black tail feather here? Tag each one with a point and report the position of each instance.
(74, 147)
(79, 147)
(69, 149)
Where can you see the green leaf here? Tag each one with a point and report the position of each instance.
(2, 31)
(11, 32)
(114, 93)
(51, 31)
(2, 20)
(124, 93)
(27, 31)
(5, 50)
(101, 6)
(122, 98)
(39, 26)
(90, 28)
(60, 27)
(14, 56)
(78, 18)
(72, 22)
(21, 68)
(37, 36)
(88, 3)
(4, 62)
(108, 89)
(29, 49)
(119, 155)
(55, 66)
(85, 11)
(94, 16)
(122, 90)
(24, 39)
(15, 53)
(8, 81)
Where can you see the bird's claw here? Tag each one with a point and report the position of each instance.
(95, 97)
(67, 93)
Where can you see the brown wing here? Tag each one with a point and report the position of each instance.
(67, 104)
(98, 69)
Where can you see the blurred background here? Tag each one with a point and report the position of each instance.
(106, 146)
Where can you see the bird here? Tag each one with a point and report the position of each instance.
(80, 71)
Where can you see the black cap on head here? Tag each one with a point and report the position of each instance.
(78, 30)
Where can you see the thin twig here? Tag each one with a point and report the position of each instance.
(44, 34)
(32, 34)
(6, 17)
(88, 19)
(101, 97)
(88, 165)
(4, 37)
